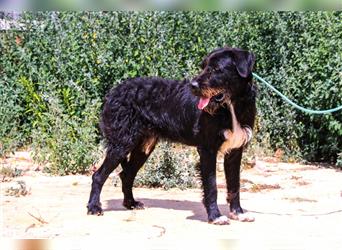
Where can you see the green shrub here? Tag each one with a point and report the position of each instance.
(170, 166)
(10, 133)
(339, 160)
(75, 57)
(67, 144)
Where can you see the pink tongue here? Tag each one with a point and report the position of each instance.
(203, 102)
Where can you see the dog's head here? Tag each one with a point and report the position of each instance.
(226, 73)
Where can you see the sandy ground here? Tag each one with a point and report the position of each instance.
(301, 205)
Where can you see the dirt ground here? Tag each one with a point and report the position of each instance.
(297, 204)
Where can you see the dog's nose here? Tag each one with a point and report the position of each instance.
(194, 84)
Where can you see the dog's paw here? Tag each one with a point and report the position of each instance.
(94, 210)
(243, 217)
(222, 220)
(129, 204)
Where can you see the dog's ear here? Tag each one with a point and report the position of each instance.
(244, 62)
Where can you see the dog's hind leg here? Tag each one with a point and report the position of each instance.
(130, 169)
(112, 160)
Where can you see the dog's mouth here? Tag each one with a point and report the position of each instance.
(203, 102)
(207, 94)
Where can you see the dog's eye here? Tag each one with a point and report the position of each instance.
(219, 97)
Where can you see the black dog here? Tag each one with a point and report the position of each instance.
(214, 112)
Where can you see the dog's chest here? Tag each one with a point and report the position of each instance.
(236, 137)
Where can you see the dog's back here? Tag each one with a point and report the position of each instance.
(150, 105)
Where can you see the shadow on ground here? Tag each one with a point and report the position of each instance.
(196, 208)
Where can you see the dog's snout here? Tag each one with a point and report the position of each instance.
(194, 84)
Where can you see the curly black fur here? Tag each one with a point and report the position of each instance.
(139, 111)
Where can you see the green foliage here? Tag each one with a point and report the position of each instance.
(339, 160)
(169, 166)
(10, 134)
(68, 144)
(56, 67)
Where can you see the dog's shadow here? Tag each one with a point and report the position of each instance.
(196, 208)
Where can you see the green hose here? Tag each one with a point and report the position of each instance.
(310, 111)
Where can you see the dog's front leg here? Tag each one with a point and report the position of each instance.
(232, 163)
(208, 175)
